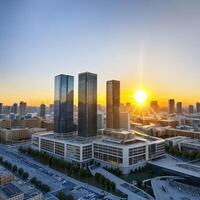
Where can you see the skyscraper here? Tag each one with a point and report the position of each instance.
(179, 108)
(1, 108)
(87, 104)
(191, 109)
(171, 106)
(113, 104)
(63, 103)
(14, 108)
(22, 108)
(198, 107)
(42, 110)
(154, 106)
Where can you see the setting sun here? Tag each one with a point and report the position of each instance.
(140, 96)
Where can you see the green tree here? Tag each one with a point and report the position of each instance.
(20, 171)
(25, 175)
(14, 169)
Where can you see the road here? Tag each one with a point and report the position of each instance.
(51, 177)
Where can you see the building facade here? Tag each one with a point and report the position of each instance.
(87, 104)
(63, 103)
(179, 108)
(113, 104)
(171, 106)
(42, 110)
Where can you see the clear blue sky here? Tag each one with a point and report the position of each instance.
(115, 39)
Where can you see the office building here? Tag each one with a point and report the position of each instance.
(100, 121)
(63, 103)
(113, 104)
(125, 121)
(87, 104)
(6, 110)
(42, 110)
(191, 109)
(14, 108)
(171, 106)
(51, 108)
(112, 148)
(22, 108)
(179, 108)
(154, 106)
(198, 107)
(1, 108)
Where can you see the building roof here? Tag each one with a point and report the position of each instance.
(10, 190)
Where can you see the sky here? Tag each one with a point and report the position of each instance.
(155, 43)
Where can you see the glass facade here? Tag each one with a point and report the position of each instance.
(113, 104)
(87, 104)
(63, 103)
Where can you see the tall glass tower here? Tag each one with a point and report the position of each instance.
(113, 104)
(87, 104)
(63, 103)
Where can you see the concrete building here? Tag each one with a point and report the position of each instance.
(113, 104)
(14, 108)
(43, 111)
(100, 121)
(125, 121)
(112, 148)
(63, 104)
(1, 108)
(13, 135)
(154, 106)
(198, 107)
(191, 109)
(11, 192)
(6, 110)
(5, 176)
(22, 109)
(171, 106)
(179, 108)
(87, 104)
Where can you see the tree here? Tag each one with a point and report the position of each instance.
(63, 196)
(14, 169)
(45, 188)
(34, 180)
(20, 171)
(25, 175)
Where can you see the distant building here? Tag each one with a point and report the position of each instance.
(5, 176)
(171, 106)
(154, 106)
(100, 121)
(14, 108)
(87, 104)
(198, 107)
(63, 104)
(113, 104)
(11, 192)
(125, 120)
(179, 108)
(191, 109)
(22, 109)
(1, 108)
(51, 108)
(6, 110)
(43, 111)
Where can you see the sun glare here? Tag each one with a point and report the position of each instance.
(140, 96)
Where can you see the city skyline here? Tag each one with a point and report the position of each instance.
(133, 41)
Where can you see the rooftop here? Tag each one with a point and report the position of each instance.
(10, 190)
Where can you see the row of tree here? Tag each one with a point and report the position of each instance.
(193, 155)
(115, 171)
(44, 187)
(17, 171)
(56, 163)
(105, 182)
(63, 196)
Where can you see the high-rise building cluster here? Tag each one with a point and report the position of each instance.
(107, 147)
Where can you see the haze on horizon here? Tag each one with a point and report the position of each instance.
(156, 41)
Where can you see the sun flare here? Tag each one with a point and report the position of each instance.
(140, 97)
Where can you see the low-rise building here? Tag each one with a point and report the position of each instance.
(11, 192)
(112, 148)
(5, 176)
